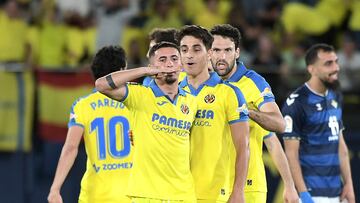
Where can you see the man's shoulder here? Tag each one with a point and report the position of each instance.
(86, 98)
(251, 80)
(297, 97)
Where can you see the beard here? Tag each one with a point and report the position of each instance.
(170, 79)
(227, 70)
(335, 85)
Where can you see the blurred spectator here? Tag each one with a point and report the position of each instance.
(214, 12)
(267, 62)
(112, 16)
(52, 40)
(349, 61)
(293, 65)
(270, 14)
(76, 52)
(354, 22)
(163, 16)
(135, 56)
(14, 46)
(319, 22)
(252, 9)
(16, 105)
(82, 7)
(267, 57)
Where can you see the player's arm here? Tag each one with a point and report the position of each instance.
(240, 137)
(114, 85)
(66, 161)
(268, 112)
(278, 156)
(292, 154)
(348, 189)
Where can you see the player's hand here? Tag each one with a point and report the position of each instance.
(252, 106)
(348, 193)
(160, 71)
(306, 197)
(290, 195)
(54, 197)
(236, 197)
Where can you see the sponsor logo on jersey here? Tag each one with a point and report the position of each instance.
(210, 98)
(203, 113)
(319, 107)
(161, 103)
(291, 99)
(172, 122)
(96, 168)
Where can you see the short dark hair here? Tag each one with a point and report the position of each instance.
(107, 60)
(163, 35)
(197, 32)
(312, 53)
(226, 30)
(162, 45)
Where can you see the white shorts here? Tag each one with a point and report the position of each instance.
(327, 200)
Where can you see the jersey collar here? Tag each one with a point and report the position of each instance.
(240, 71)
(212, 82)
(159, 93)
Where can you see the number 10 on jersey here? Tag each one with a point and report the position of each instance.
(107, 141)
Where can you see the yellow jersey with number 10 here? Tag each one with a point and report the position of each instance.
(109, 154)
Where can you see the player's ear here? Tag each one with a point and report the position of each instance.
(237, 53)
(310, 69)
(209, 53)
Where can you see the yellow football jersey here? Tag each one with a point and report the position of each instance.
(162, 146)
(219, 105)
(256, 92)
(109, 157)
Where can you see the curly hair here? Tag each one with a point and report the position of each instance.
(107, 60)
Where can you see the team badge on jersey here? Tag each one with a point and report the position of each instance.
(185, 109)
(210, 98)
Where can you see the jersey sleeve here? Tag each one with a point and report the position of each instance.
(293, 116)
(134, 95)
(236, 108)
(76, 115)
(264, 93)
